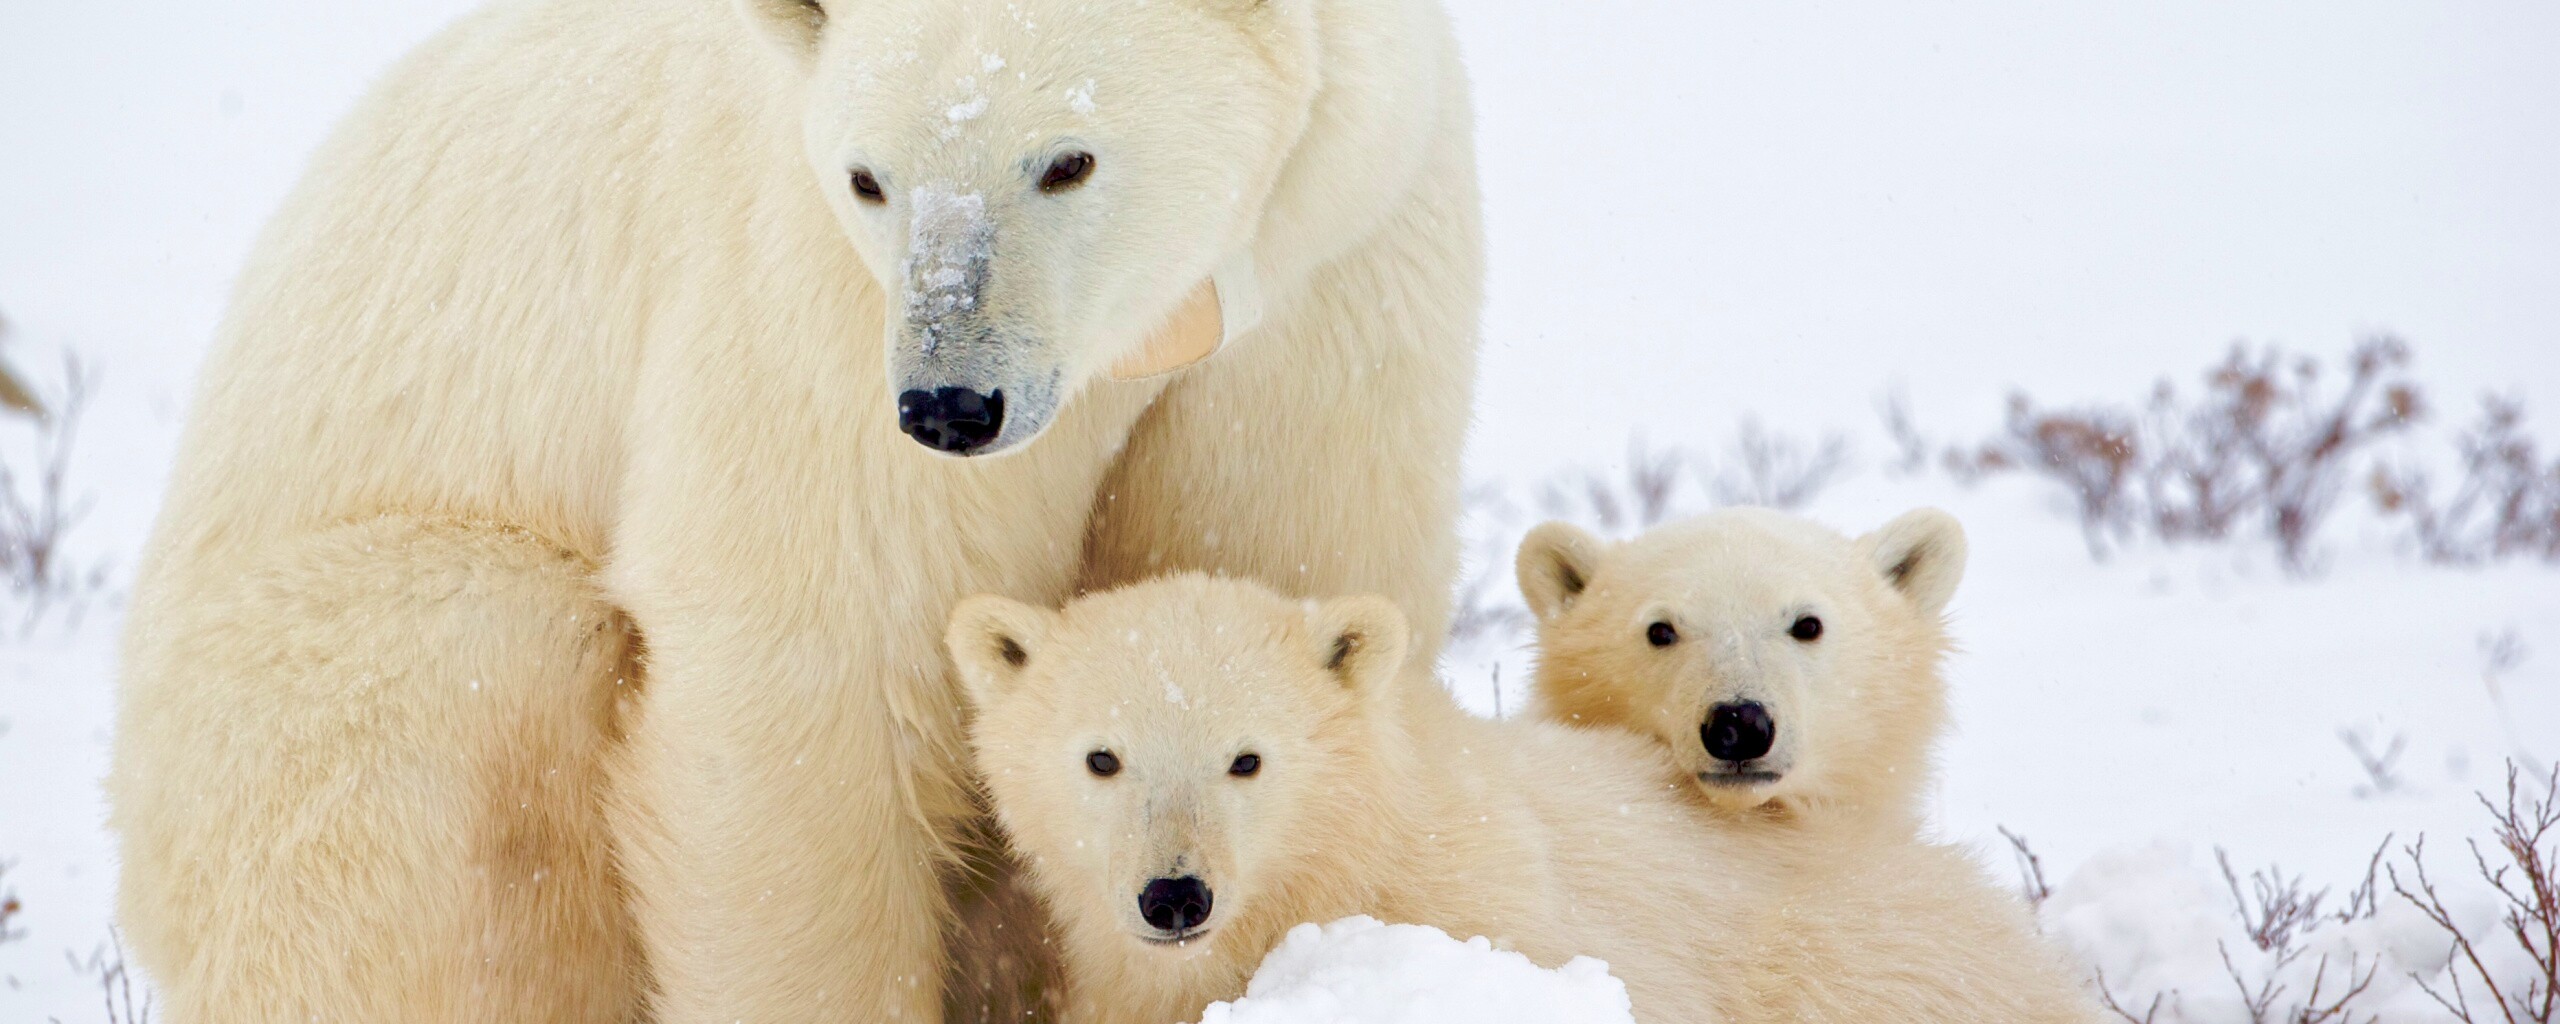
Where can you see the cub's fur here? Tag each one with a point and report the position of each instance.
(1792, 675)
(1114, 738)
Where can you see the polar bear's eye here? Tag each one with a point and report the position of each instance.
(1066, 172)
(867, 186)
(1102, 763)
(1661, 634)
(1246, 765)
(1807, 629)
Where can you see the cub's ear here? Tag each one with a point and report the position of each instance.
(992, 641)
(792, 26)
(1360, 640)
(1921, 553)
(1554, 565)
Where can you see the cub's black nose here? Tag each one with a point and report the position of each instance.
(1174, 905)
(954, 420)
(1738, 732)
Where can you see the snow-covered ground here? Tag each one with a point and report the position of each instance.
(1362, 970)
(1698, 212)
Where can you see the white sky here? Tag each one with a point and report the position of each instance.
(1780, 205)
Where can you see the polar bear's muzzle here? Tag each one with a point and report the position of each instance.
(1176, 910)
(973, 369)
(974, 408)
(968, 387)
(1740, 738)
(1738, 732)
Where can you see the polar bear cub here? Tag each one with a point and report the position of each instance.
(1191, 766)
(1783, 666)
(1792, 674)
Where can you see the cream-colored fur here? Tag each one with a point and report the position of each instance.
(544, 620)
(1553, 841)
(1855, 709)
(1865, 920)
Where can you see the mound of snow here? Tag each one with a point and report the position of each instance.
(1360, 971)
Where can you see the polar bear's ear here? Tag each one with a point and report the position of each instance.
(1921, 553)
(790, 25)
(1554, 565)
(992, 641)
(1360, 640)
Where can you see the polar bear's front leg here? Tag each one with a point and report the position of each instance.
(793, 790)
(779, 820)
(357, 778)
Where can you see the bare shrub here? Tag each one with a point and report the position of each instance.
(38, 506)
(2091, 452)
(1910, 447)
(2266, 447)
(2196, 484)
(2031, 884)
(2150, 1012)
(1484, 607)
(2302, 441)
(2277, 911)
(2501, 652)
(115, 983)
(2504, 504)
(2278, 915)
(1777, 471)
(1643, 496)
(1480, 613)
(15, 395)
(2381, 770)
(1760, 467)
(2510, 975)
(2260, 1001)
(2525, 873)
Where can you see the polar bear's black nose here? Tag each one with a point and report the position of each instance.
(1174, 905)
(953, 420)
(1738, 731)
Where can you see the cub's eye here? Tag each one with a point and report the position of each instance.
(1807, 629)
(1066, 172)
(867, 187)
(1101, 763)
(1246, 765)
(1661, 634)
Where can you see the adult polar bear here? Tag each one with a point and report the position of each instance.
(543, 621)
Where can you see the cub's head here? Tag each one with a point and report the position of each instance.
(1174, 757)
(1038, 184)
(1780, 662)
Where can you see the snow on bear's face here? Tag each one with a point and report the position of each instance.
(1038, 183)
(1779, 661)
(1168, 756)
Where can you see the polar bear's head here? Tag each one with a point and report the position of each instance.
(1038, 184)
(1781, 663)
(1171, 759)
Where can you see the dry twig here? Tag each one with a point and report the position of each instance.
(115, 983)
(2526, 878)
(2031, 883)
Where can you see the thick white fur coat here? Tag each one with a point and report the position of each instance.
(543, 622)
